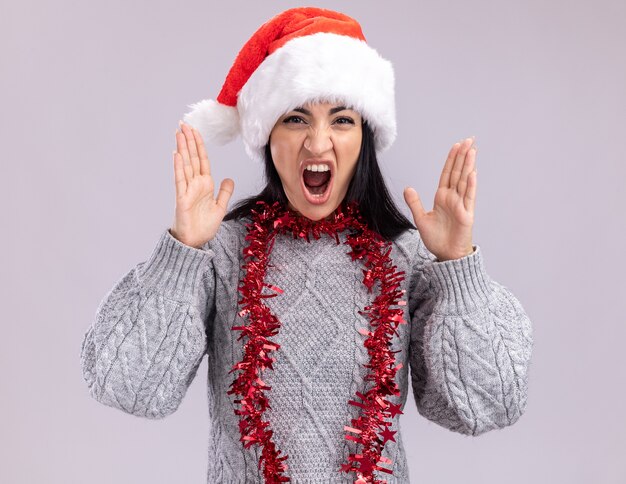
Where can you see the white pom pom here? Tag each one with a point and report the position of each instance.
(216, 122)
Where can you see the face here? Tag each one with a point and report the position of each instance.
(315, 149)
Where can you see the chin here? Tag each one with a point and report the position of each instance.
(315, 213)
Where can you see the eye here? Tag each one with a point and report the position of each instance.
(288, 120)
(348, 120)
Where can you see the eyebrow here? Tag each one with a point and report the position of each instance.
(331, 111)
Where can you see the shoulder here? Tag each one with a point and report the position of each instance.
(409, 245)
(230, 237)
(413, 256)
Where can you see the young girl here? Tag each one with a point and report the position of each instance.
(314, 298)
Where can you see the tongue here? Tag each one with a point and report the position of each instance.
(316, 178)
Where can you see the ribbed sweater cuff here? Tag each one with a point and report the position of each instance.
(462, 285)
(175, 269)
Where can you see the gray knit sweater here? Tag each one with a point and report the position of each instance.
(467, 346)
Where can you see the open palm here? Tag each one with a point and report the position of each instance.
(447, 229)
(198, 213)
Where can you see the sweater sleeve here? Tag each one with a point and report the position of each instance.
(470, 347)
(149, 335)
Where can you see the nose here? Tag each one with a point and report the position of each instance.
(318, 141)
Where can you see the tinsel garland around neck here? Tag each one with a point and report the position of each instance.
(366, 245)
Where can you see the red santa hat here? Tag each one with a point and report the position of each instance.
(301, 55)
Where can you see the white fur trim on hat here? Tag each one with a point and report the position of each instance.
(216, 122)
(321, 66)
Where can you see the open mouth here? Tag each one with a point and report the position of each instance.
(317, 181)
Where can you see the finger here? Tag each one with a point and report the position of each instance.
(179, 175)
(181, 146)
(191, 147)
(226, 190)
(181, 143)
(468, 168)
(459, 161)
(412, 199)
(205, 166)
(470, 197)
(444, 179)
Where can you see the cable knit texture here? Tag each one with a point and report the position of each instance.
(468, 347)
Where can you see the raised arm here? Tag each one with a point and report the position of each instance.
(150, 331)
(149, 334)
(471, 345)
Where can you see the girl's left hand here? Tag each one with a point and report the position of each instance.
(447, 230)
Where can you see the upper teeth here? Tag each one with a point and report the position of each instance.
(317, 167)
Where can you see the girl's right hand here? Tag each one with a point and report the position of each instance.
(198, 212)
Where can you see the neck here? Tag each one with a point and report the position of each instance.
(330, 216)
